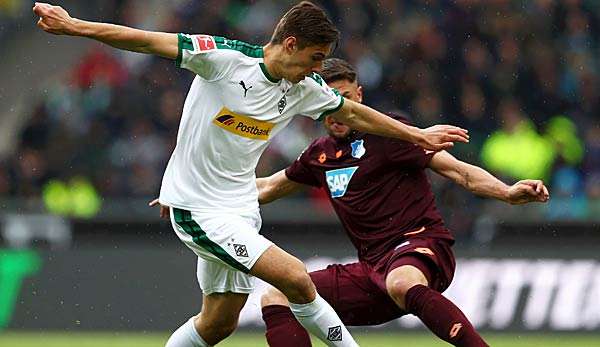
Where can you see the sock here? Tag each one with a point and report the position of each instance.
(321, 320)
(186, 336)
(283, 330)
(442, 317)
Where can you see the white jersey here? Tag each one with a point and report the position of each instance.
(232, 111)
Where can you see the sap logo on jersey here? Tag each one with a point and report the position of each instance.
(338, 180)
(242, 125)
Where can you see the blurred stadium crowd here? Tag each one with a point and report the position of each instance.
(522, 76)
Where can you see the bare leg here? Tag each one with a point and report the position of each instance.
(217, 320)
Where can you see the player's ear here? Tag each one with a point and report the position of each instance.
(290, 44)
(359, 94)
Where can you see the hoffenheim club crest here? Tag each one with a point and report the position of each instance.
(358, 148)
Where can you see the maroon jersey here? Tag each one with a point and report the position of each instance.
(378, 188)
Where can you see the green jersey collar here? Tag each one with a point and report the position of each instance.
(267, 74)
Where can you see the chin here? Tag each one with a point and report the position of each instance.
(339, 135)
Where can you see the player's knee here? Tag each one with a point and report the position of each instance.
(299, 287)
(273, 297)
(399, 283)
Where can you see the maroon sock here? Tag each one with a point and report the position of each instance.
(283, 330)
(442, 317)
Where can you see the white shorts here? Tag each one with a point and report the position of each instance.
(227, 247)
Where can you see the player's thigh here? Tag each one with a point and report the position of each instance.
(357, 300)
(286, 273)
(217, 277)
(229, 239)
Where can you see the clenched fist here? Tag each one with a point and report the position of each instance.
(526, 191)
(54, 19)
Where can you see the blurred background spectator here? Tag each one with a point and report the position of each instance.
(522, 76)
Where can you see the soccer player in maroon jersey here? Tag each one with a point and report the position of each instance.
(380, 191)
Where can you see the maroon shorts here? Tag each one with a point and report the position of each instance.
(358, 293)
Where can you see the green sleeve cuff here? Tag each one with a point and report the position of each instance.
(328, 112)
(183, 42)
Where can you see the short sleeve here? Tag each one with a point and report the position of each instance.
(408, 154)
(201, 55)
(300, 171)
(318, 99)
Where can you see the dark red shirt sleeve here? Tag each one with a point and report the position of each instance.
(300, 172)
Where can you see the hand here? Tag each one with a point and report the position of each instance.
(164, 210)
(54, 19)
(526, 191)
(440, 137)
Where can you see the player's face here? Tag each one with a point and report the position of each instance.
(300, 63)
(349, 90)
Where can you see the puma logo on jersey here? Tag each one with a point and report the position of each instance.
(245, 89)
(338, 180)
(242, 125)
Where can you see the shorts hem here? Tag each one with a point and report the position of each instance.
(221, 290)
(266, 246)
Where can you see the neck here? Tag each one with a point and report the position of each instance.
(271, 60)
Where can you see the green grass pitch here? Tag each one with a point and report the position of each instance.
(250, 339)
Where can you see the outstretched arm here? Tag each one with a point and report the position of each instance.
(275, 186)
(482, 183)
(363, 118)
(55, 20)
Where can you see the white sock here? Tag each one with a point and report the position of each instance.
(321, 320)
(186, 336)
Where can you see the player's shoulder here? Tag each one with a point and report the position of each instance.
(318, 145)
(314, 81)
(400, 116)
(390, 141)
(248, 50)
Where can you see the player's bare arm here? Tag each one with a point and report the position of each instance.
(275, 187)
(55, 20)
(363, 118)
(482, 183)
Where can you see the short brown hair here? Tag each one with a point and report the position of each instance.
(335, 69)
(308, 23)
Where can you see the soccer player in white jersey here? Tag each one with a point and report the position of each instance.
(242, 96)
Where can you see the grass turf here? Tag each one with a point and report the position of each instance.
(249, 339)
